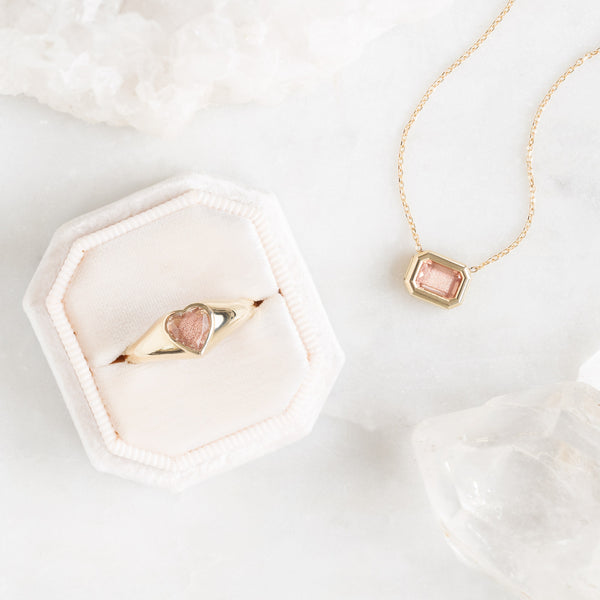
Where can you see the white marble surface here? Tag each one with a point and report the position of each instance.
(342, 514)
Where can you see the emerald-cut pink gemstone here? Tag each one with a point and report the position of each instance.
(438, 279)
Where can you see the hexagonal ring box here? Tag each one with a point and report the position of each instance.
(108, 275)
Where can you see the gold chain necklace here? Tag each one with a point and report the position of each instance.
(433, 277)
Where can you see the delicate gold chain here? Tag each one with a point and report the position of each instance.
(532, 133)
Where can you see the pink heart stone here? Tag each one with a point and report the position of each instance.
(190, 328)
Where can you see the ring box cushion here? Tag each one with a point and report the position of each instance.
(109, 275)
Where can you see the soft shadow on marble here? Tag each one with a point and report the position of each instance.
(515, 484)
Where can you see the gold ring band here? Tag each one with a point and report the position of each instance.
(190, 332)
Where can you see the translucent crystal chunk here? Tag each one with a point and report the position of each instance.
(152, 64)
(516, 486)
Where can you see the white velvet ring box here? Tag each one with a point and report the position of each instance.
(108, 275)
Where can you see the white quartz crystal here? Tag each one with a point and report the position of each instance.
(589, 372)
(152, 64)
(515, 484)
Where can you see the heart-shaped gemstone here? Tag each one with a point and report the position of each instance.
(190, 328)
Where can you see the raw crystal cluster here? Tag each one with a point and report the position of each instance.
(516, 486)
(152, 64)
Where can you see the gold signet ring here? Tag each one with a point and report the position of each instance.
(190, 332)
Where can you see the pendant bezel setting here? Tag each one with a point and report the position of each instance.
(448, 300)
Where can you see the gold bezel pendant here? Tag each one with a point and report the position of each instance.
(437, 279)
